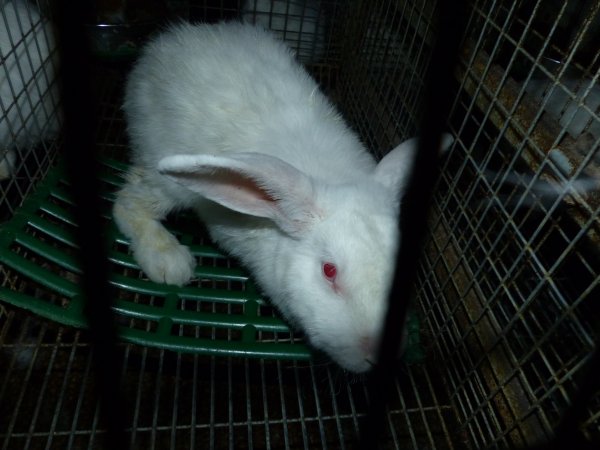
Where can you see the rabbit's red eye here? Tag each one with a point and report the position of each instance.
(330, 271)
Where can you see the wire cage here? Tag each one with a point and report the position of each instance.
(508, 285)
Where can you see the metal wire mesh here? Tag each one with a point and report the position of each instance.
(177, 401)
(507, 289)
(512, 269)
(514, 247)
(29, 104)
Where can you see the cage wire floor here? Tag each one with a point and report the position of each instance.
(176, 397)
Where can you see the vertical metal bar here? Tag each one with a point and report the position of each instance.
(230, 425)
(80, 400)
(213, 394)
(125, 360)
(93, 432)
(315, 390)
(342, 444)
(195, 389)
(302, 417)
(230, 384)
(212, 404)
(175, 410)
(63, 388)
(248, 404)
(265, 405)
(413, 215)
(194, 419)
(284, 418)
(138, 399)
(79, 111)
(156, 402)
(353, 411)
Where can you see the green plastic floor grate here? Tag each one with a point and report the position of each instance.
(221, 312)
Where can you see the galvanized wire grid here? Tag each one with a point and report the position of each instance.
(506, 287)
(510, 275)
(384, 61)
(176, 400)
(185, 401)
(29, 102)
(512, 272)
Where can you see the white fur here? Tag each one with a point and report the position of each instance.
(27, 92)
(223, 120)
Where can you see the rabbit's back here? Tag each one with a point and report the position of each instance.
(232, 87)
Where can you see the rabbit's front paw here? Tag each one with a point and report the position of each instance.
(165, 260)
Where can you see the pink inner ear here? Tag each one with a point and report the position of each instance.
(253, 184)
(244, 184)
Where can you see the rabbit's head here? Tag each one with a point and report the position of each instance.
(325, 252)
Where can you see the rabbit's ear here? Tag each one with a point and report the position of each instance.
(393, 170)
(249, 183)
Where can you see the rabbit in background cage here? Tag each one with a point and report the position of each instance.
(301, 23)
(242, 134)
(28, 91)
(568, 110)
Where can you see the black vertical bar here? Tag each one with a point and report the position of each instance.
(80, 112)
(413, 217)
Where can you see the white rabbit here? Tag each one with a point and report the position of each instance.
(28, 91)
(223, 120)
(562, 107)
(301, 23)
